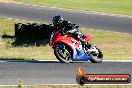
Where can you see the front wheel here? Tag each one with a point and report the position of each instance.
(62, 53)
(97, 55)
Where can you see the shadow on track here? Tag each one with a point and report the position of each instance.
(32, 61)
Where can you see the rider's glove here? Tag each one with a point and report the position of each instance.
(71, 31)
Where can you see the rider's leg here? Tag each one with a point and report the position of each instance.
(83, 41)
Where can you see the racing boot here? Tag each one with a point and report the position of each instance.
(86, 44)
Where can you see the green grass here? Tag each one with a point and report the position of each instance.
(115, 46)
(7, 26)
(111, 6)
(8, 52)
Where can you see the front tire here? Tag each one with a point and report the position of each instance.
(63, 53)
(97, 58)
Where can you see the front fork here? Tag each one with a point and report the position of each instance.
(92, 50)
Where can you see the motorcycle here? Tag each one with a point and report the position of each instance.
(68, 49)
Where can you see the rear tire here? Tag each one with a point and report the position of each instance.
(63, 53)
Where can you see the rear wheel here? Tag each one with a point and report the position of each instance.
(63, 53)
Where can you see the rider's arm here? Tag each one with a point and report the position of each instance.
(72, 31)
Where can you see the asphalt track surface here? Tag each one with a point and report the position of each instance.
(44, 14)
(54, 72)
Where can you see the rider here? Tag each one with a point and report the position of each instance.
(68, 27)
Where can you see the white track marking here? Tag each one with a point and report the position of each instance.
(58, 61)
(73, 85)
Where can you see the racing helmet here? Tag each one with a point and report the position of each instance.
(57, 20)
